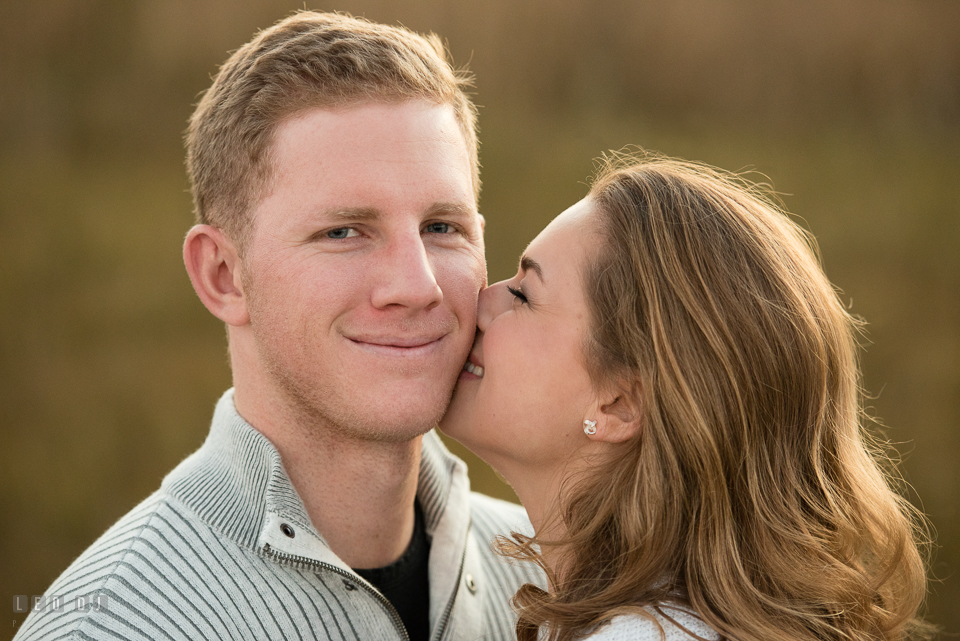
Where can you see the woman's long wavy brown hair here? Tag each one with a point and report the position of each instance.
(753, 493)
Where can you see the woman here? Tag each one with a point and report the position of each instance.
(670, 385)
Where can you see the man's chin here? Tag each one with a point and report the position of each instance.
(398, 434)
(455, 419)
(398, 422)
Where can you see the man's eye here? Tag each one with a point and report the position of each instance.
(342, 232)
(439, 228)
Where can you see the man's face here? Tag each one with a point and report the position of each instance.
(364, 266)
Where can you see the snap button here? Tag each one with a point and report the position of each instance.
(349, 586)
(286, 529)
(471, 584)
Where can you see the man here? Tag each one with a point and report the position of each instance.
(334, 172)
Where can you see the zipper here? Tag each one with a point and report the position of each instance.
(442, 624)
(305, 563)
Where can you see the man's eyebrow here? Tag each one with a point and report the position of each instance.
(343, 216)
(364, 214)
(349, 214)
(527, 263)
(448, 209)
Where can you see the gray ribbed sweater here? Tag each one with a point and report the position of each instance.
(210, 556)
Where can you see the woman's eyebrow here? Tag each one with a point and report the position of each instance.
(527, 263)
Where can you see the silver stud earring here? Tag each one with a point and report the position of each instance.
(589, 427)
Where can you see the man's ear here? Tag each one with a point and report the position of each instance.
(213, 264)
(618, 416)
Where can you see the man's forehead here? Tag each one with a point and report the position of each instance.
(364, 113)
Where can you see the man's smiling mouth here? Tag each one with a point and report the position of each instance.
(397, 345)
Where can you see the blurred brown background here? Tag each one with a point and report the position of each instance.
(110, 366)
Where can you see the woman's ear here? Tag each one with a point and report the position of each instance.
(214, 267)
(618, 416)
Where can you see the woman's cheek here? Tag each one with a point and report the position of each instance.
(503, 351)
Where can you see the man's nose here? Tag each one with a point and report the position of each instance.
(407, 276)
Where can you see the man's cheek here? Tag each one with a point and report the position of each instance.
(467, 266)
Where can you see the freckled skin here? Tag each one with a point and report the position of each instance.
(363, 269)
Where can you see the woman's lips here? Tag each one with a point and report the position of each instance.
(473, 366)
(476, 370)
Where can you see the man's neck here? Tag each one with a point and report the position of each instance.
(358, 493)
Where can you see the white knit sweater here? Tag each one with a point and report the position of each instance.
(639, 628)
(225, 550)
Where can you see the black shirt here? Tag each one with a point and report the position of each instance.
(406, 584)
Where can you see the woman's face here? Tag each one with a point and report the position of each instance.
(526, 404)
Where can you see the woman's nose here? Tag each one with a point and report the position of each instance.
(493, 301)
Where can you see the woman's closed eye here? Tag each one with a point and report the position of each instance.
(518, 294)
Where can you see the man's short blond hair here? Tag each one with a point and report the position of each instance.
(305, 61)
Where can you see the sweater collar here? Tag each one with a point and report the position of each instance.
(236, 483)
